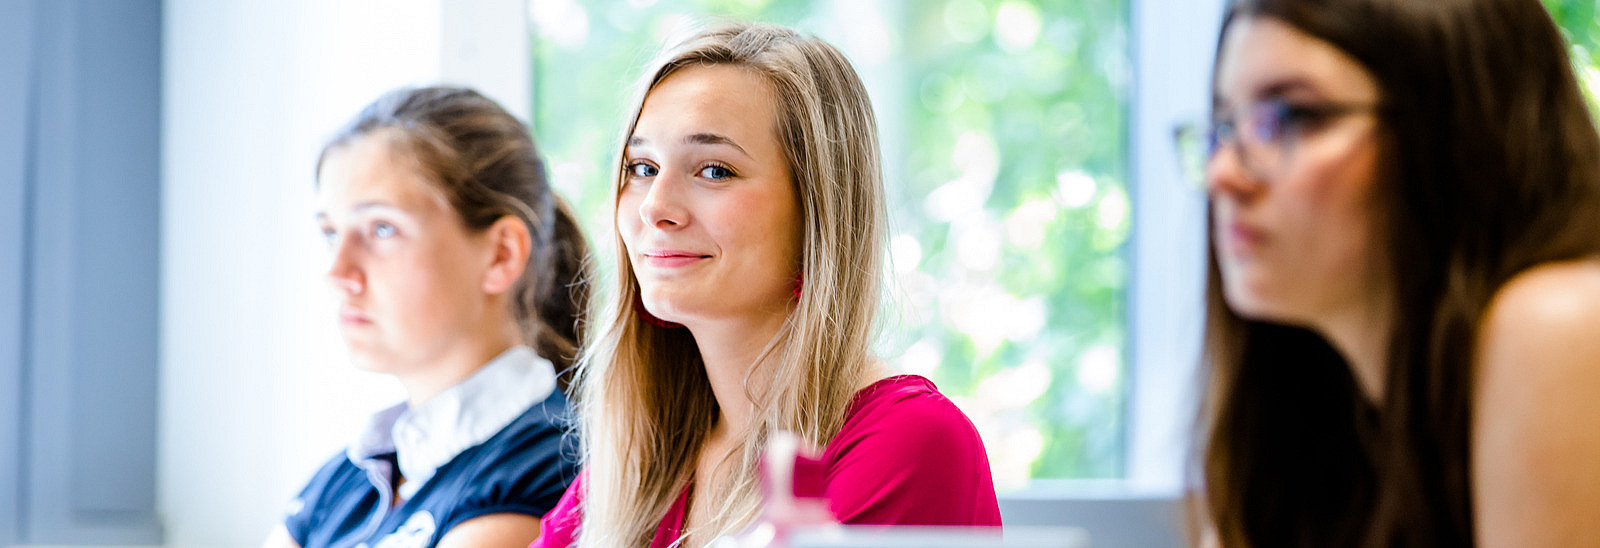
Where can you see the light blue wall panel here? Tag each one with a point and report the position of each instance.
(16, 52)
(92, 278)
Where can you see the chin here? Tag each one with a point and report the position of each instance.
(364, 358)
(665, 306)
(1254, 302)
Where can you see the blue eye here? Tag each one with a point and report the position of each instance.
(641, 169)
(329, 235)
(716, 172)
(382, 230)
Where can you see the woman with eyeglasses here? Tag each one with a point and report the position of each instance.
(1403, 332)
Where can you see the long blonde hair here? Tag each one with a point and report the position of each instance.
(643, 395)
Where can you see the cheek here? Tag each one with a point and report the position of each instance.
(767, 223)
(628, 222)
(1340, 210)
(438, 284)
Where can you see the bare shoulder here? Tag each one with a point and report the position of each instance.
(1541, 332)
(1557, 292)
(493, 530)
(1550, 311)
(1533, 440)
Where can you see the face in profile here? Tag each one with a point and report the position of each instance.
(1295, 210)
(707, 207)
(406, 272)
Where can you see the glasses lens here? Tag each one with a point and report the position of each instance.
(1262, 146)
(1194, 152)
(1266, 121)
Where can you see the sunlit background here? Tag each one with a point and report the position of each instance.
(1005, 134)
(1044, 253)
(1003, 131)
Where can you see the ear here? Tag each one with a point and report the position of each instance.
(510, 242)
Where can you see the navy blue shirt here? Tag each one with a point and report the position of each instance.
(523, 468)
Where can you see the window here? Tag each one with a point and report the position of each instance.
(1578, 22)
(1006, 159)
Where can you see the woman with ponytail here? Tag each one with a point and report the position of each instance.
(459, 272)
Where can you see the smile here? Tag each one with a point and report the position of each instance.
(671, 258)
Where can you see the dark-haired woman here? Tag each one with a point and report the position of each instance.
(1403, 340)
(459, 272)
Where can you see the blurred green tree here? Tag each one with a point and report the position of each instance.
(1578, 22)
(1004, 126)
(1004, 136)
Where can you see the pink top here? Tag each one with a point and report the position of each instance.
(905, 456)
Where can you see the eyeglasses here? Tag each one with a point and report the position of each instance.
(1272, 129)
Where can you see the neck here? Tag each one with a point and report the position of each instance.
(1361, 335)
(730, 349)
(456, 364)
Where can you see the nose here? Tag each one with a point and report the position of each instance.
(345, 273)
(663, 205)
(1227, 174)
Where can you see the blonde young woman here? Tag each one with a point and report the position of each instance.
(750, 220)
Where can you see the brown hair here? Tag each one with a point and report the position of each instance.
(1493, 167)
(484, 162)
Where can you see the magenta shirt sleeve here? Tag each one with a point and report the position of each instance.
(907, 456)
(559, 527)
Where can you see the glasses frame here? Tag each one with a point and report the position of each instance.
(1274, 127)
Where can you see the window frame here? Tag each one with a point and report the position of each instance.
(1166, 251)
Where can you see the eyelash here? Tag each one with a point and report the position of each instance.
(379, 226)
(377, 230)
(718, 165)
(630, 170)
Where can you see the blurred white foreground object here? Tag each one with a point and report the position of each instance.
(860, 536)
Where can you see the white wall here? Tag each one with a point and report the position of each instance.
(255, 389)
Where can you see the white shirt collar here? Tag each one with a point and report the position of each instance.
(462, 416)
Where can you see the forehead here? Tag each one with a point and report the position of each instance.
(373, 170)
(721, 99)
(1263, 57)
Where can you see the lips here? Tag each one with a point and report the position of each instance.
(672, 258)
(350, 316)
(1241, 238)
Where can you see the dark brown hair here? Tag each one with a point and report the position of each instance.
(1493, 166)
(484, 162)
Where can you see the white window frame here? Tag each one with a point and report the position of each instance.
(1172, 44)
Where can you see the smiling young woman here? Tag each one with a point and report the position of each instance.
(459, 272)
(750, 219)
(1404, 299)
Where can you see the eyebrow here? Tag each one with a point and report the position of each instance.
(361, 207)
(703, 138)
(1277, 88)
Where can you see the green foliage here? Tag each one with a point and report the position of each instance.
(1004, 132)
(1581, 27)
(1004, 127)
